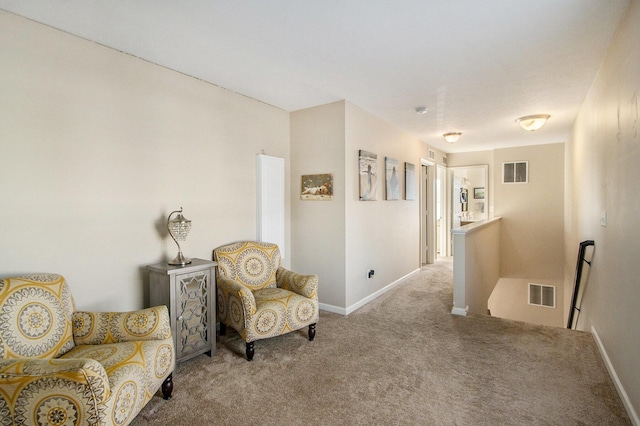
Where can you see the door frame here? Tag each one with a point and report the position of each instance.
(427, 203)
(487, 189)
(445, 223)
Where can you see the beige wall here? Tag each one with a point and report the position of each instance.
(341, 240)
(96, 149)
(380, 235)
(603, 176)
(476, 265)
(510, 299)
(531, 237)
(532, 214)
(476, 158)
(318, 229)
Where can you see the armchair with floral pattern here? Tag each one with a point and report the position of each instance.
(258, 297)
(59, 366)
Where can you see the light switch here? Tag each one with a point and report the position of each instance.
(603, 219)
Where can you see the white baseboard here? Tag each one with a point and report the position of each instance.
(332, 308)
(378, 293)
(460, 311)
(361, 303)
(616, 380)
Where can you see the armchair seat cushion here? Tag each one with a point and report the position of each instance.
(52, 391)
(279, 311)
(135, 371)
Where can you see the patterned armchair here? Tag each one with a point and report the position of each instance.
(59, 366)
(258, 297)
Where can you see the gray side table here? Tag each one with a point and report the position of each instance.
(189, 294)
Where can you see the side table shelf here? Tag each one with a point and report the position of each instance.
(189, 294)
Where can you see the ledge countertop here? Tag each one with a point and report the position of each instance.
(472, 226)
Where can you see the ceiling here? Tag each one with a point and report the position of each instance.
(476, 66)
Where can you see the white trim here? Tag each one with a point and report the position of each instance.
(428, 205)
(361, 303)
(332, 308)
(616, 380)
(460, 311)
(378, 293)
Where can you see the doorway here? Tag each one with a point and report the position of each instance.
(443, 244)
(470, 194)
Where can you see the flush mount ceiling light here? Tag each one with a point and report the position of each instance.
(421, 110)
(452, 137)
(532, 122)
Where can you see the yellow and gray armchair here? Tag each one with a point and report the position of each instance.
(259, 298)
(59, 366)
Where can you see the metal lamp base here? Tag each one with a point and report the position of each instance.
(180, 260)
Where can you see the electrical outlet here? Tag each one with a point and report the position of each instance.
(603, 219)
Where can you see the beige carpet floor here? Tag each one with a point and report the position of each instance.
(403, 359)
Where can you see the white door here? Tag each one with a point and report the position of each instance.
(441, 214)
(425, 215)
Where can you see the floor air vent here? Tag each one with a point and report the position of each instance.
(542, 295)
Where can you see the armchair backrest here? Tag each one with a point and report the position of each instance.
(251, 263)
(35, 317)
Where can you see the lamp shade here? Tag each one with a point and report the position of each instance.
(532, 122)
(179, 228)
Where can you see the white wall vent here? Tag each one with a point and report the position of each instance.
(432, 154)
(542, 295)
(444, 160)
(515, 172)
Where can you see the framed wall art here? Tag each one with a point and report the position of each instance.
(392, 180)
(368, 163)
(317, 187)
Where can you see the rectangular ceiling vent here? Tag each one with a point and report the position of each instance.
(432, 154)
(542, 295)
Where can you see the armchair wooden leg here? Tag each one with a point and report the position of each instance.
(223, 328)
(312, 332)
(167, 387)
(250, 351)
